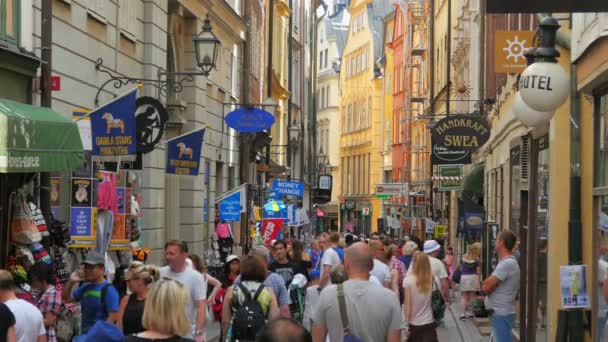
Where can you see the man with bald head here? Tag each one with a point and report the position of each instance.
(373, 312)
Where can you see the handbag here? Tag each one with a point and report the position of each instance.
(457, 274)
(437, 302)
(348, 337)
(23, 227)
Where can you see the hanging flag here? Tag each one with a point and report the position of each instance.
(113, 129)
(270, 230)
(184, 153)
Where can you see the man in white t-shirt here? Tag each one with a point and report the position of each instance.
(431, 248)
(29, 324)
(330, 256)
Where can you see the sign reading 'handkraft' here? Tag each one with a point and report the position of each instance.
(467, 132)
(289, 188)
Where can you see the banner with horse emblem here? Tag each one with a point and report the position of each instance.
(184, 153)
(113, 129)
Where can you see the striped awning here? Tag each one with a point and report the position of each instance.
(444, 178)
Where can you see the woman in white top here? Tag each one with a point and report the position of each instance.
(417, 288)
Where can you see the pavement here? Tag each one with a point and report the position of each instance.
(213, 331)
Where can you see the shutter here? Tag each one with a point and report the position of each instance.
(525, 162)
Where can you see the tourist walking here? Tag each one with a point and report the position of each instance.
(49, 301)
(28, 321)
(357, 307)
(163, 323)
(417, 288)
(176, 253)
(470, 275)
(139, 278)
(213, 285)
(502, 287)
(98, 299)
(249, 303)
(408, 251)
(232, 271)
(432, 249)
(331, 256)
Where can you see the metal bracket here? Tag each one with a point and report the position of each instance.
(162, 86)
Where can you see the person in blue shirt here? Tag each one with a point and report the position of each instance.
(98, 299)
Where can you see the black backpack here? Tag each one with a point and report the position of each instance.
(249, 318)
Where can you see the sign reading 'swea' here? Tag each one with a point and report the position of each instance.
(184, 153)
(113, 129)
(466, 132)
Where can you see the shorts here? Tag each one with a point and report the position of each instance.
(469, 283)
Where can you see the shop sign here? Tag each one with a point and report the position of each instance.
(365, 211)
(442, 155)
(150, 119)
(429, 226)
(270, 230)
(450, 177)
(473, 221)
(461, 132)
(184, 153)
(509, 47)
(349, 205)
(573, 280)
(544, 6)
(113, 129)
(439, 231)
(230, 208)
(288, 188)
(249, 120)
(544, 86)
(325, 182)
(397, 189)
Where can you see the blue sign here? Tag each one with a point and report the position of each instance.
(113, 129)
(184, 153)
(230, 208)
(81, 222)
(249, 120)
(275, 209)
(473, 221)
(289, 188)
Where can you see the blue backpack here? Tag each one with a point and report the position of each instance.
(340, 252)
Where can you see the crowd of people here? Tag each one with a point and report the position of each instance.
(339, 288)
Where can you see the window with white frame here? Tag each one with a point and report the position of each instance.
(234, 77)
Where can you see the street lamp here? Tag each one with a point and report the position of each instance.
(206, 47)
(294, 134)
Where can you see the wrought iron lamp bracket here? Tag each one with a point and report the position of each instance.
(162, 86)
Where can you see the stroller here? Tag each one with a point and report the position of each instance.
(297, 293)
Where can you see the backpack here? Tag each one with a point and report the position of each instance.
(340, 252)
(249, 318)
(437, 302)
(67, 323)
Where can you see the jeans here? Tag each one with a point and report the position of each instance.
(601, 326)
(105, 225)
(502, 326)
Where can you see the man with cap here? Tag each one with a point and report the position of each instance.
(98, 299)
(432, 249)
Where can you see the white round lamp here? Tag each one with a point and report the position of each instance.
(528, 116)
(544, 86)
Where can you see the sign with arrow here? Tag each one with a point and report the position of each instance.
(573, 281)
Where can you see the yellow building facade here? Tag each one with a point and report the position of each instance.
(361, 117)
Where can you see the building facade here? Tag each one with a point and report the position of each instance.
(361, 116)
(332, 31)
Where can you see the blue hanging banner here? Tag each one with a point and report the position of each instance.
(230, 208)
(113, 129)
(288, 188)
(249, 120)
(184, 153)
(473, 221)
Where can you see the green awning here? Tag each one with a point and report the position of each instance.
(37, 139)
(473, 181)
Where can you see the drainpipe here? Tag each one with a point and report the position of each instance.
(269, 79)
(447, 61)
(290, 89)
(46, 43)
(431, 97)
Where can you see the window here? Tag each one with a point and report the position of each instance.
(355, 115)
(365, 60)
(346, 68)
(349, 127)
(342, 175)
(369, 111)
(321, 60)
(234, 77)
(363, 117)
(365, 176)
(601, 119)
(327, 89)
(97, 9)
(10, 12)
(326, 58)
(127, 16)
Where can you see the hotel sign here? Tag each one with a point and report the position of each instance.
(461, 132)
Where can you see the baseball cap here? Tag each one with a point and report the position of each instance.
(94, 258)
(231, 258)
(430, 246)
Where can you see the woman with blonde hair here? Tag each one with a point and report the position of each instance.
(139, 278)
(162, 318)
(417, 288)
(470, 276)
